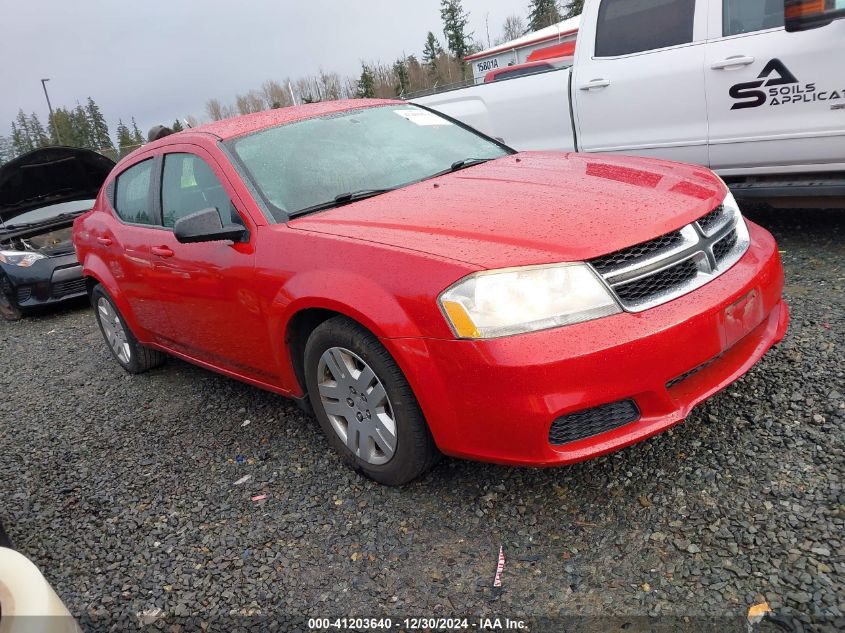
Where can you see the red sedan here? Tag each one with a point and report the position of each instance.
(425, 289)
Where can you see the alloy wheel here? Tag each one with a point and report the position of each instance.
(113, 329)
(357, 405)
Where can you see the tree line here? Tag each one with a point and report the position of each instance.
(439, 64)
(81, 126)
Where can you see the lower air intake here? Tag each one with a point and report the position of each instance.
(577, 426)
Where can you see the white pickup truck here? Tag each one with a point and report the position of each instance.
(731, 84)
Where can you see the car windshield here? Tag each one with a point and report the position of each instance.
(308, 164)
(49, 212)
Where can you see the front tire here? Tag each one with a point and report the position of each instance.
(127, 351)
(8, 309)
(365, 405)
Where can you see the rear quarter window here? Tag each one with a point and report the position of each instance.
(132, 199)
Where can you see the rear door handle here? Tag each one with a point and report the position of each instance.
(595, 84)
(162, 251)
(736, 61)
(104, 241)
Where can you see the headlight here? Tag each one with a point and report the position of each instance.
(24, 259)
(518, 300)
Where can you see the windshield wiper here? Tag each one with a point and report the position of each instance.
(342, 199)
(459, 165)
(467, 162)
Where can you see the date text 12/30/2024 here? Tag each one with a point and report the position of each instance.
(417, 624)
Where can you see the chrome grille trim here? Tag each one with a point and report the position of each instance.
(713, 243)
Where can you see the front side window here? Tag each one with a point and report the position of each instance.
(309, 163)
(132, 194)
(189, 185)
(633, 26)
(747, 16)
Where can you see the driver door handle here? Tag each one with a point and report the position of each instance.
(730, 62)
(104, 241)
(595, 84)
(162, 251)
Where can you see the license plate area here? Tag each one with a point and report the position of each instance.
(739, 318)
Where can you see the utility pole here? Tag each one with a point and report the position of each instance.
(49, 105)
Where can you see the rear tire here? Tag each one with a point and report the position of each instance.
(127, 351)
(383, 433)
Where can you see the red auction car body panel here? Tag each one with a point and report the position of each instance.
(229, 307)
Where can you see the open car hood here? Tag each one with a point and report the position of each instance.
(50, 175)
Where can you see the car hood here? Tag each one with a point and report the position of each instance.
(50, 175)
(531, 208)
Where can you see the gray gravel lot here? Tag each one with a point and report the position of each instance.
(122, 490)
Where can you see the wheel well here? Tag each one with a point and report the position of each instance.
(90, 284)
(299, 329)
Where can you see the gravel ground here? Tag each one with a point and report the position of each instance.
(122, 490)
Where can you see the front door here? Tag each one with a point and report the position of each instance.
(775, 99)
(205, 291)
(638, 84)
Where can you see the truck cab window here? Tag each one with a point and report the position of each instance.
(747, 16)
(634, 26)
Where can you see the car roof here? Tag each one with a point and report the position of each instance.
(248, 123)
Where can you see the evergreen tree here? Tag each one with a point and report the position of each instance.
(177, 126)
(21, 136)
(455, 21)
(431, 51)
(7, 151)
(575, 7)
(366, 84)
(125, 140)
(99, 127)
(62, 127)
(83, 132)
(137, 137)
(403, 79)
(36, 130)
(543, 13)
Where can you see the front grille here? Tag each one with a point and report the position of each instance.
(70, 287)
(24, 293)
(713, 220)
(659, 270)
(590, 422)
(724, 246)
(662, 282)
(619, 259)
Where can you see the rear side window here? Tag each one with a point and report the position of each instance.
(520, 72)
(132, 195)
(189, 185)
(634, 26)
(747, 16)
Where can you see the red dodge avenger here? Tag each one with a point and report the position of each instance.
(425, 289)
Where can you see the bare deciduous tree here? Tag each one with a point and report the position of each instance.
(513, 28)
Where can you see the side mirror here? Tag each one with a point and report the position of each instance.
(205, 226)
(802, 15)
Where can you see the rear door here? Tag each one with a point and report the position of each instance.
(124, 240)
(638, 79)
(776, 100)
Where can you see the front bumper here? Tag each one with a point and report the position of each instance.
(496, 400)
(47, 281)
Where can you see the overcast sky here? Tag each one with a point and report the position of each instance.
(158, 60)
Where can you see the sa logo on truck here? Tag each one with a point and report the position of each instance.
(782, 88)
